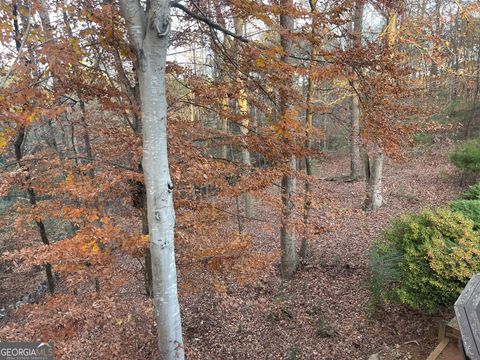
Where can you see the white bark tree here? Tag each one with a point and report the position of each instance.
(374, 163)
(305, 248)
(148, 31)
(289, 259)
(373, 177)
(242, 109)
(355, 162)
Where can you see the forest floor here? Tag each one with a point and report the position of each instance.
(321, 313)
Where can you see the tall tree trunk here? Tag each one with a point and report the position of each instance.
(434, 82)
(374, 166)
(242, 107)
(305, 248)
(373, 175)
(86, 139)
(218, 49)
(222, 125)
(148, 33)
(473, 111)
(18, 144)
(455, 60)
(287, 232)
(89, 158)
(139, 192)
(247, 197)
(355, 161)
(18, 147)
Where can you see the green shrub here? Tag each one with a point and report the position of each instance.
(425, 260)
(473, 193)
(466, 157)
(469, 208)
(383, 269)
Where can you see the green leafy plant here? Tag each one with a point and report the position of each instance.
(469, 208)
(425, 260)
(466, 157)
(473, 193)
(383, 271)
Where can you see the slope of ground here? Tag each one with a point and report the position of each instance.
(322, 313)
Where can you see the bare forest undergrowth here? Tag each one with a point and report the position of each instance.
(322, 313)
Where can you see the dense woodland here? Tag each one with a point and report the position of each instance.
(283, 220)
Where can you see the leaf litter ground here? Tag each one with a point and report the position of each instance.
(322, 313)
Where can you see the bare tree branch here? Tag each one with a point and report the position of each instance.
(20, 49)
(207, 21)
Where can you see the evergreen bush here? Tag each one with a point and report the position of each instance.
(425, 260)
(469, 208)
(466, 157)
(473, 193)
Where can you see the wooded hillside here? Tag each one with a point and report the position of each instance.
(216, 179)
